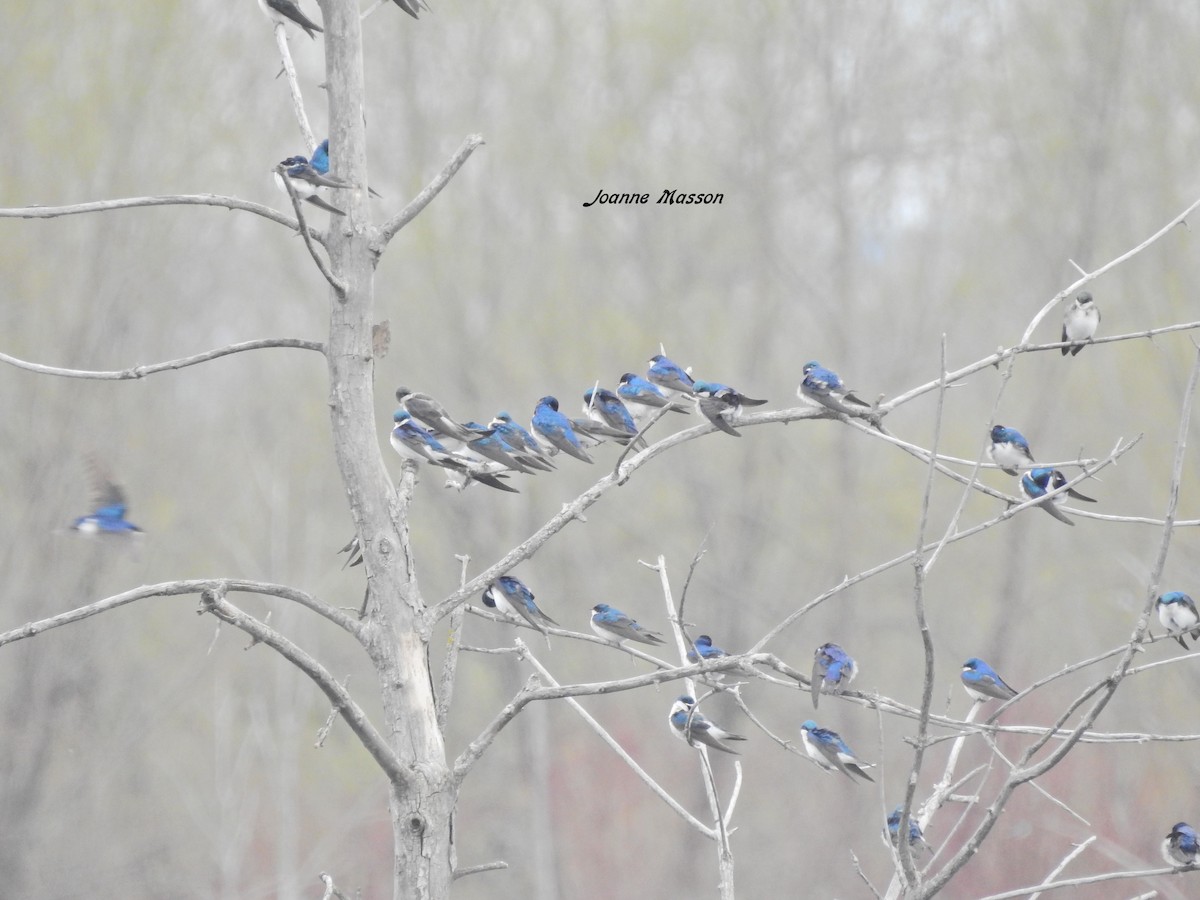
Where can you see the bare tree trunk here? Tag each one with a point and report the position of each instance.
(422, 796)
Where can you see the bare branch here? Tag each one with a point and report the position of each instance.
(482, 867)
(1086, 879)
(391, 227)
(176, 588)
(213, 601)
(285, 55)
(306, 233)
(141, 371)
(53, 212)
(1129, 254)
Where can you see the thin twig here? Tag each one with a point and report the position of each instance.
(391, 227)
(171, 365)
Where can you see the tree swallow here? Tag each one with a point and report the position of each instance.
(983, 683)
(425, 409)
(914, 830)
(289, 10)
(642, 398)
(511, 597)
(833, 670)
(524, 442)
(826, 388)
(320, 162)
(830, 752)
(1180, 848)
(412, 441)
(1080, 322)
(1009, 449)
(719, 402)
(412, 7)
(669, 376)
(1177, 612)
(109, 515)
(703, 649)
(491, 446)
(1038, 483)
(613, 625)
(552, 425)
(306, 182)
(690, 725)
(605, 408)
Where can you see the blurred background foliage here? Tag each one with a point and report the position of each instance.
(892, 172)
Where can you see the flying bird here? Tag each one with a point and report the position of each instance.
(108, 515)
(1080, 322)
(833, 670)
(692, 726)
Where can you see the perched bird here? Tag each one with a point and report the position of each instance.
(703, 649)
(642, 398)
(412, 7)
(110, 507)
(605, 408)
(669, 376)
(1177, 612)
(826, 388)
(526, 444)
(833, 670)
(306, 182)
(718, 402)
(613, 625)
(512, 597)
(288, 10)
(1009, 449)
(1080, 322)
(1038, 483)
(983, 683)
(427, 410)
(491, 446)
(830, 752)
(690, 725)
(552, 425)
(914, 830)
(1180, 847)
(592, 433)
(412, 441)
(320, 162)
